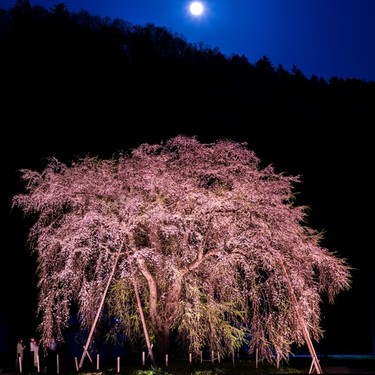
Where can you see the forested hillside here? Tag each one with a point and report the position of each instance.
(66, 68)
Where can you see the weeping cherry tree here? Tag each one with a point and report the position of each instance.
(207, 245)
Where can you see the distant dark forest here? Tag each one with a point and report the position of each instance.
(64, 67)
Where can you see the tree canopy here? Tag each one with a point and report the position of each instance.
(220, 254)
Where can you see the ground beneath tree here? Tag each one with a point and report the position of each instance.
(331, 364)
(338, 364)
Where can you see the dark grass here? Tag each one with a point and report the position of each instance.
(343, 364)
(244, 367)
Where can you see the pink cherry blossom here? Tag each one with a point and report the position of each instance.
(221, 254)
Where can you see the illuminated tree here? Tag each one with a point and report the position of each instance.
(214, 245)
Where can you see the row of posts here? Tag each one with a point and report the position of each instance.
(144, 361)
(37, 363)
(218, 358)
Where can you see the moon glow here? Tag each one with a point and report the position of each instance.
(196, 8)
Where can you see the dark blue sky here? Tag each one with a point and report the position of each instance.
(320, 37)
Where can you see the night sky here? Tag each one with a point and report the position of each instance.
(335, 162)
(324, 38)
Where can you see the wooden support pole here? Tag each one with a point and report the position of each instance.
(315, 361)
(76, 363)
(20, 364)
(85, 351)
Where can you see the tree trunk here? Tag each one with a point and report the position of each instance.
(162, 343)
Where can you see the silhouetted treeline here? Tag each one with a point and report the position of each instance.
(59, 66)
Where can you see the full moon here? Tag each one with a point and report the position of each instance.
(196, 8)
